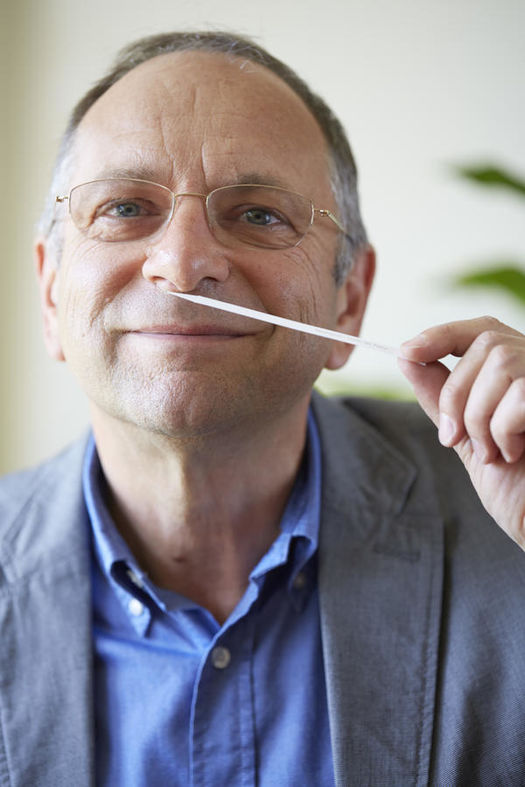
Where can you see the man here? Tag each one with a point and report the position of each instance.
(230, 583)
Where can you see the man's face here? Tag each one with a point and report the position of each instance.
(195, 122)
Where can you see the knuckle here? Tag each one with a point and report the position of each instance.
(492, 322)
(477, 420)
(487, 339)
(502, 356)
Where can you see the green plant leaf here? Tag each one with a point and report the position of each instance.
(492, 176)
(509, 277)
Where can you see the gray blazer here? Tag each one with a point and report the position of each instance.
(422, 615)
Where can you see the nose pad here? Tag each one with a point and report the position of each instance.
(185, 254)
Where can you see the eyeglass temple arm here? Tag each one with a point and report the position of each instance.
(330, 215)
(61, 199)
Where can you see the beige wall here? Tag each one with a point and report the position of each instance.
(419, 85)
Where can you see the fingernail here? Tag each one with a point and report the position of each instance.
(447, 429)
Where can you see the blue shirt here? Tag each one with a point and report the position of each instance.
(182, 700)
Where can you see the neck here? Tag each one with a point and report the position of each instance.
(199, 514)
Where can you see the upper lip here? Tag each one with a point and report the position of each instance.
(193, 330)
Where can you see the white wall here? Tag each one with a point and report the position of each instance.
(419, 86)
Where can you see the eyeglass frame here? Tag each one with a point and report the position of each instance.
(323, 212)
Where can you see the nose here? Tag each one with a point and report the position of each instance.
(186, 253)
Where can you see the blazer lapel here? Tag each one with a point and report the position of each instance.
(380, 586)
(46, 728)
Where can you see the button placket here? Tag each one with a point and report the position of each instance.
(223, 701)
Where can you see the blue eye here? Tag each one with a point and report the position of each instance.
(259, 216)
(127, 210)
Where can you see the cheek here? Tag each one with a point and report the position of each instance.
(299, 285)
(88, 282)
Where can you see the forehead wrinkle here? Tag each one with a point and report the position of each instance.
(230, 93)
(211, 141)
(94, 139)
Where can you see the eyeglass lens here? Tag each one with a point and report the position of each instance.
(129, 210)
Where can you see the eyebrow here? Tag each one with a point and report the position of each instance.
(143, 173)
(262, 180)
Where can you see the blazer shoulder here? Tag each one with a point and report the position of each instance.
(17, 487)
(38, 510)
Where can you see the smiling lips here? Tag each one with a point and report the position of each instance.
(191, 332)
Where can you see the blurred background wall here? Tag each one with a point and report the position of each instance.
(420, 85)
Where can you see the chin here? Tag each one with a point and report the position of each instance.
(193, 403)
(182, 409)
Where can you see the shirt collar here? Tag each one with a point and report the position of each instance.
(295, 545)
(110, 547)
(298, 539)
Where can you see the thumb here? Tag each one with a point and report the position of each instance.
(427, 382)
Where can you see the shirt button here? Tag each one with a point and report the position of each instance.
(136, 607)
(299, 581)
(220, 657)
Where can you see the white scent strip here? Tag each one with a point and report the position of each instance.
(315, 330)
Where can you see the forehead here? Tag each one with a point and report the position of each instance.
(202, 116)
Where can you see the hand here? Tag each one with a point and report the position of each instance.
(479, 407)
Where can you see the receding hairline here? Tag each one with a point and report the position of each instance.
(286, 100)
(240, 65)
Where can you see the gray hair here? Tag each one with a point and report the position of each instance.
(343, 171)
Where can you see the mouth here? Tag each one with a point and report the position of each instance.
(190, 332)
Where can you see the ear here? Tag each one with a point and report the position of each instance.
(351, 300)
(47, 272)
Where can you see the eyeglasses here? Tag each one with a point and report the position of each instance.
(120, 210)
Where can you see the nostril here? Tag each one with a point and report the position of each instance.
(158, 267)
(161, 283)
(184, 264)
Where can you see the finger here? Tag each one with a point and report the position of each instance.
(453, 338)
(463, 381)
(508, 422)
(507, 347)
(427, 382)
(503, 364)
